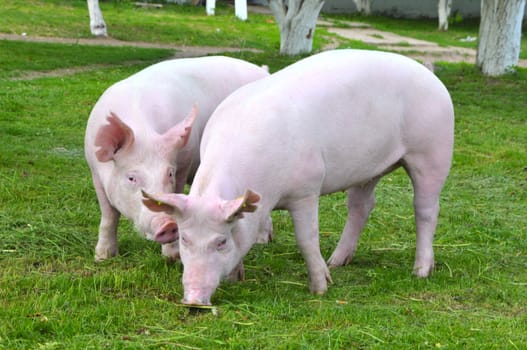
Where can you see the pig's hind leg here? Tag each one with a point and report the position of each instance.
(361, 200)
(428, 173)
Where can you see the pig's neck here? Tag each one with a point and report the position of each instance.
(191, 150)
(245, 232)
(215, 183)
(223, 186)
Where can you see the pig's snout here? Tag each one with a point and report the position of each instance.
(196, 297)
(168, 233)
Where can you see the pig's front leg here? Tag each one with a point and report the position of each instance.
(171, 250)
(265, 231)
(238, 273)
(182, 176)
(305, 220)
(107, 244)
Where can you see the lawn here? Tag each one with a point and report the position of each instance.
(178, 25)
(54, 296)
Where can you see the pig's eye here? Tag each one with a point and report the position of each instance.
(222, 244)
(184, 239)
(172, 174)
(132, 179)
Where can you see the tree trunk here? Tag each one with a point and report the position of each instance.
(97, 24)
(240, 9)
(363, 6)
(297, 21)
(499, 35)
(210, 6)
(443, 9)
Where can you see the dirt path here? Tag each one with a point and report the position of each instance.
(180, 52)
(422, 50)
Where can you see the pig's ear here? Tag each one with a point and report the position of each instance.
(113, 137)
(170, 203)
(234, 209)
(178, 135)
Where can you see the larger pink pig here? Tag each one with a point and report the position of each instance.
(336, 121)
(139, 136)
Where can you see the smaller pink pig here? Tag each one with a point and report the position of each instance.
(139, 136)
(336, 121)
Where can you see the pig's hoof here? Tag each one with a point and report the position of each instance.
(319, 284)
(319, 291)
(328, 278)
(264, 237)
(105, 253)
(335, 261)
(171, 251)
(196, 299)
(195, 310)
(423, 270)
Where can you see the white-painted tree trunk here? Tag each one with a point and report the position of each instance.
(97, 24)
(363, 6)
(210, 7)
(297, 20)
(240, 9)
(443, 8)
(499, 35)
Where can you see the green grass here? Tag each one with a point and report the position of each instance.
(177, 25)
(19, 57)
(54, 296)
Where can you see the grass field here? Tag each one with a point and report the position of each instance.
(54, 296)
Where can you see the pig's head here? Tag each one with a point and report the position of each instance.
(211, 234)
(142, 161)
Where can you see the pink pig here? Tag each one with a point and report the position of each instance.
(139, 137)
(336, 121)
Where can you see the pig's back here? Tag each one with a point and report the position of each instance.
(341, 92)
(341, 108)
(168, 90)
(216, 74)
